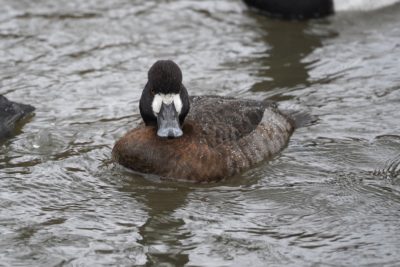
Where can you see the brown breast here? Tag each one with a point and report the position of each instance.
(186, 158)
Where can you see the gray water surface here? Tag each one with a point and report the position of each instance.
(332, 198)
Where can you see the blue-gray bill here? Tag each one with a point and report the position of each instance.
(168, 122)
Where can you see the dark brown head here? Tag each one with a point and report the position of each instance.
(165, 102)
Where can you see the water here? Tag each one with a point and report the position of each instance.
(332, 198)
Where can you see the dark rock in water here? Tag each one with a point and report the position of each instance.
(10, 114)
(294, 9)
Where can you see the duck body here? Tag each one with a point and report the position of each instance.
(10, 114)
(308, 9)
(294, 9)
(217, 138)
(221, 137)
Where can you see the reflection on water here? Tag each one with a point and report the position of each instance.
(331, 198)
(282, 66)
(163, 234)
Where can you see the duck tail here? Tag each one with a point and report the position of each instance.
(294, 113)
(300, 118)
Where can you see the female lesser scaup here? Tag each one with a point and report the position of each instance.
(218, 138)
(10, 114)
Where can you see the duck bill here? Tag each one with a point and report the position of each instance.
(168, 122)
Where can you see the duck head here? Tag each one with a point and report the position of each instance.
(165, 102)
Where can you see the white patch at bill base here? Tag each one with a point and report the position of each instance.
(166, 99)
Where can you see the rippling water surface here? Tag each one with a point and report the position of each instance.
(332, 198)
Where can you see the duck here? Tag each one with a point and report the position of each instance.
(308, 9)
(11, 113)
(200, 138)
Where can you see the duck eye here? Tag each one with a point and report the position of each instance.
(152, 91)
